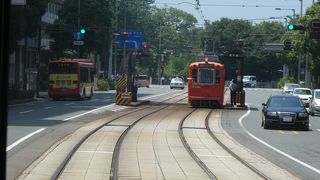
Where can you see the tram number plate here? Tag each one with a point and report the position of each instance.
(287, 119)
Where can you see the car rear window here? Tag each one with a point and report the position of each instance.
(285, 102)
(302, 91)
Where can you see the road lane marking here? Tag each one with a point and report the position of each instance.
(49, 107)
(67, 119)
(23, 139)
(273, 148)
(69, 103)
(23, 112)
(289, 132)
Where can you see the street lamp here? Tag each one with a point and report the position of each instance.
(293, 10)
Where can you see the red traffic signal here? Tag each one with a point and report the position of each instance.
(144, 45)
(292, 27)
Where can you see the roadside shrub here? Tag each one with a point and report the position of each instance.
(112, 85)
(102, 85)
(285, 80)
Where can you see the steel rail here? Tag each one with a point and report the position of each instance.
(255, 170)
(190, 151)
(116, 153)
(56, 174)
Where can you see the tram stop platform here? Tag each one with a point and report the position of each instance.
(228, 105)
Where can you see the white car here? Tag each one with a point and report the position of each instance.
(304, 94)
(289, 87)
(249, 81)
(176, 83)
(315, 102)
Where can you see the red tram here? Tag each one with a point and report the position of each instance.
(206, 84)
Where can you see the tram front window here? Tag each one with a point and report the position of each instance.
(206, 76)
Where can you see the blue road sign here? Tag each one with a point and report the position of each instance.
(77, 36)
(134, 39)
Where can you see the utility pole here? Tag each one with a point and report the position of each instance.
(160, 57)
(300, 56)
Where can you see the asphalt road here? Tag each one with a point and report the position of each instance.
(290, 148)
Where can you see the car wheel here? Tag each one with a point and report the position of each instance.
(305, 127)
(266, 125)
(311, 112)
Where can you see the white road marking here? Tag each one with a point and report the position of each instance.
(102, 152)
(49, 107)
(67, 119)
(273, 148)
(23, 112)
(23, 139)
(155, 96)
(119, 109)
(69, 103)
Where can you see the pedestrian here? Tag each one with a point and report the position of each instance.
(233, 87)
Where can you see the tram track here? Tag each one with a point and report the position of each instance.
(114, 164)
(116, 153)
(155, 114)
(261, 174)
(206, 145)
(191, 152)
(59, 168)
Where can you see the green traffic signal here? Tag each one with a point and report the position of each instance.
(82, 31)
(290, 27)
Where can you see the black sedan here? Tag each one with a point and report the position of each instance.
(284, 110)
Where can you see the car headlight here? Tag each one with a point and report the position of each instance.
(271, 113)
(303, 114)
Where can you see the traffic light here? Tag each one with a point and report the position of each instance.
(145, 45)
(315, 29)
(287, 45)
(82, 31)
(292, 27)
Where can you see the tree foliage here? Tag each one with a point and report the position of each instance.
(25, 20)
(95, 17)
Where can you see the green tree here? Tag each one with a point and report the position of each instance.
(302, 43)
(178, 33)
(25, 21)
(95, 17)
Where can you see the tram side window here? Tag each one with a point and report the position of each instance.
(194, 76)
(206, 76)
(217, 76)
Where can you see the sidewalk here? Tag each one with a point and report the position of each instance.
(42, 95)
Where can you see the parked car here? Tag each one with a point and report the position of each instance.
(142, 81)
(289, 87)
(315, 102)
(304, 94)
(250, 81)
(177, 82)
(284, 110)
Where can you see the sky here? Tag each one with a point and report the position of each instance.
(253, 10)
